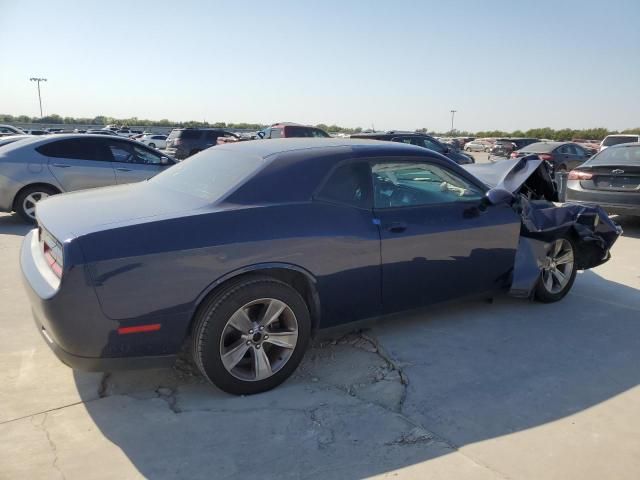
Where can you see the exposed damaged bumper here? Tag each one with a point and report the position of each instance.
(589, 228)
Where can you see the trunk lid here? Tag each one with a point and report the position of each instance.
(75, 214)
(612, 178)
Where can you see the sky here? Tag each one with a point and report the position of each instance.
(389, 64)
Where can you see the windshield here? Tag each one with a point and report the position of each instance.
(209, 175)
(618, 139)
(617, 156)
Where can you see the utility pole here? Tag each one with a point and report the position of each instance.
(453, 114)
(38, 80)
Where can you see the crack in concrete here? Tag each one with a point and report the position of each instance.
(104, 385)
(54, 449)
(169, 395)
(323, 442)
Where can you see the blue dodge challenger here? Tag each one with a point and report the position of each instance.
(244, 250)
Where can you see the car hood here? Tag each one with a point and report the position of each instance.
(511, 174)
(75, 214)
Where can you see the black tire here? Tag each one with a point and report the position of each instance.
(19, 203)
(543, 294)
(212, 319)
(152, 145)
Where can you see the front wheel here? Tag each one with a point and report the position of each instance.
(558, 271)
(251, 336)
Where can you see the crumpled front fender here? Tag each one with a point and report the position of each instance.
(591, 230)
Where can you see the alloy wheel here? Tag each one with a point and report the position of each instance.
(259, 339)
(558, 266)
(29, 203)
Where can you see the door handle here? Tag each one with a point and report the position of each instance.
(122, 169)
(61, 165)
(397, 227)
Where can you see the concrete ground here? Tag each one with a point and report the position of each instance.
(512, 389)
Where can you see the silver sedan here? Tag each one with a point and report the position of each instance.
(33, 168)
(477, 147)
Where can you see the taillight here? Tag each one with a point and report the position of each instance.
(579, 175)
(546, 157)
(52, 251)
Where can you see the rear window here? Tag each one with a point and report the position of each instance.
(618, 139)
(209, 175)
(305, 132)
(540, 147)
(616, 156)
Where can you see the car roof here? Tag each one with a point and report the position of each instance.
(388, 135)
(267, 148)
(542, 147)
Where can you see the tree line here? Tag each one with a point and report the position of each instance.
(546, 132)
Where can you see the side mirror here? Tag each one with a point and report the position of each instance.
(498, 196)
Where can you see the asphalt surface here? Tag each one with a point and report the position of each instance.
(509, 389)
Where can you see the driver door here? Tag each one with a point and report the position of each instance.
(437, 240)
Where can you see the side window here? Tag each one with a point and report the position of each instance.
(349, 184)
(146, 157)
(211, 136)
(79, 149)
(122, 152)
(405, 184)
(276, 133)
(431, 145)
(565, 150)
(406, 140)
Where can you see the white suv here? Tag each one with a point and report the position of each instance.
(611, 140)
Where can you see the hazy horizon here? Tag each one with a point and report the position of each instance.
(405, 65)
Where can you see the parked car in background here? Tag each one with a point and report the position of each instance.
(610, 179)
(562, 156)
(102, 132)
(184, 142)
(292, 130)
(268, 241)
(420, 140)
(6, 130)
(36, 132)
(616, 139)
(153, 140)
(37, 167)
(477, 146)
(504, 146)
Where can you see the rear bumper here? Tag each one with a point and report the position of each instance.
(68, 316)
(101, 364)
(612, 208)
(619, 203)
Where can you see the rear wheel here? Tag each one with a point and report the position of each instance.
(251, 336)
(558, 271)
(25, 204)
(152, 145)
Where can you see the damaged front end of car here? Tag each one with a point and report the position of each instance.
(589, 228)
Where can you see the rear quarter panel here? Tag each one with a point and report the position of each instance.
(161, 270)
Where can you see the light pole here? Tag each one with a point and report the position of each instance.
(453, 114)
(38, 80)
